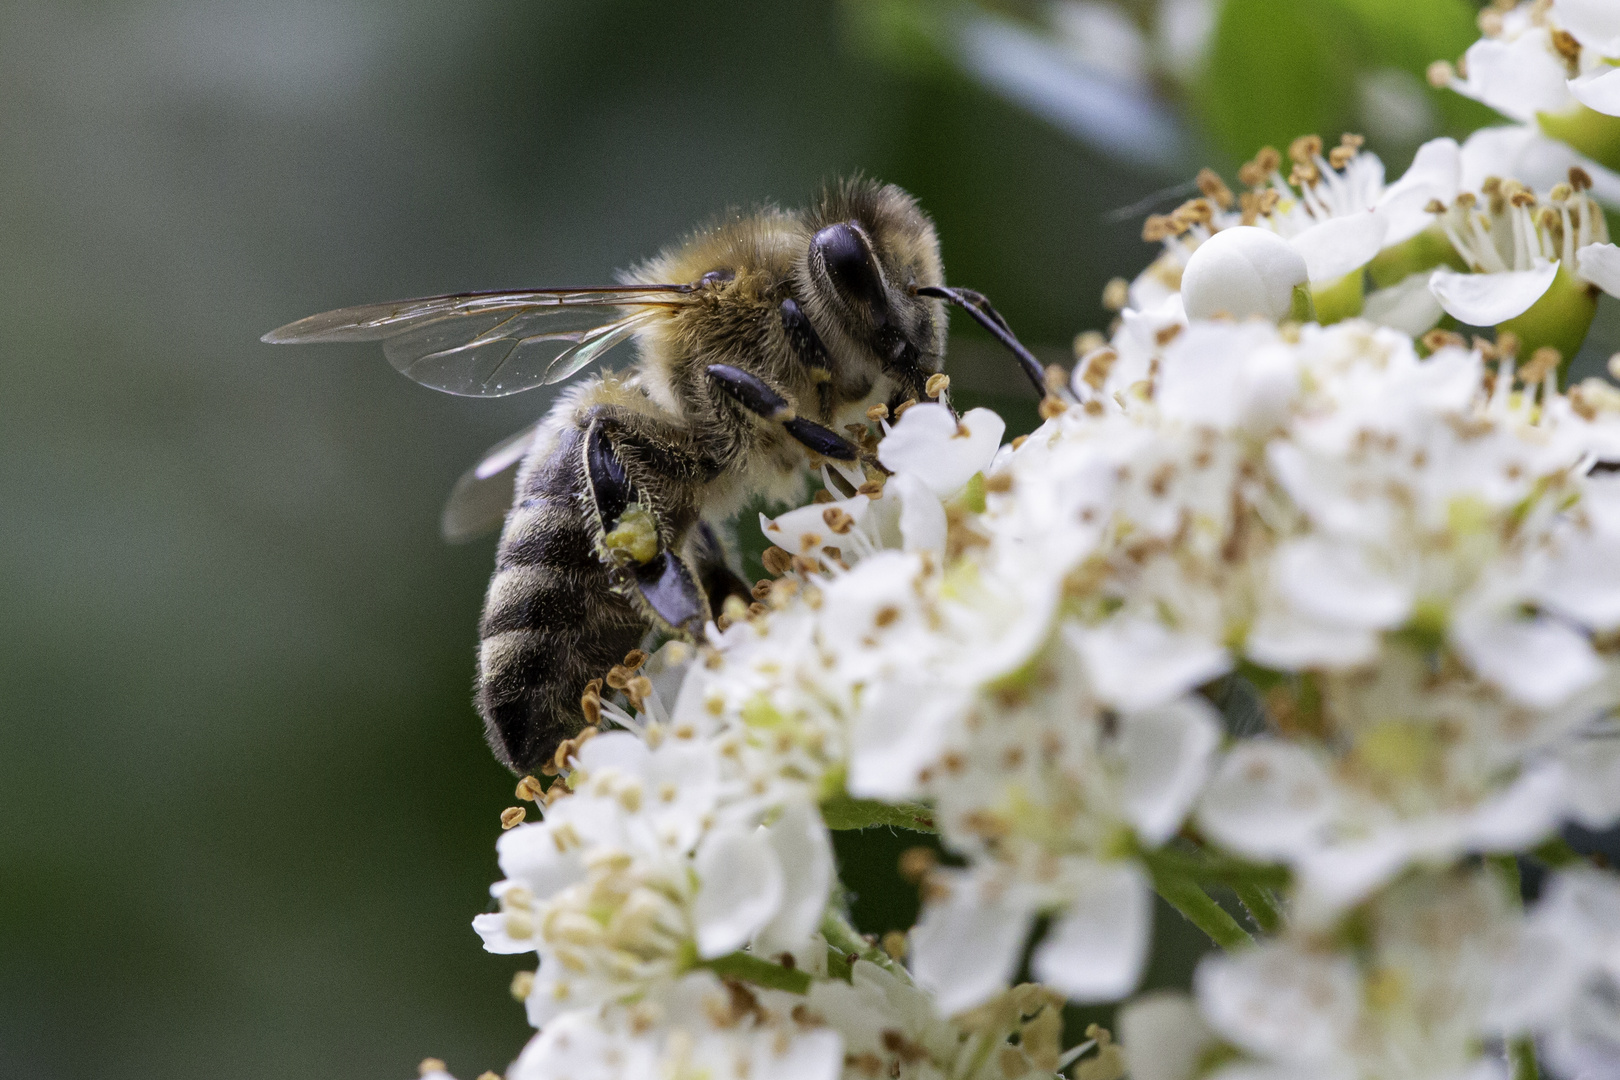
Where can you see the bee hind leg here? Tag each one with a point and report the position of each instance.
(634, 539)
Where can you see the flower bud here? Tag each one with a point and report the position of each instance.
(1242, 272)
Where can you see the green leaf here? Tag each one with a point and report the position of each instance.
(842, 812)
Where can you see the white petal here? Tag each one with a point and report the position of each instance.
(928, 444)
(805, 530)
(1600, 264)
(1595, 23)
(1335, 247)
(1539, 662)
(1434, 173)
(1242, 271)
(900, 731)
(741, 887)
(491, 926)
(1267, 799)
(1488, 299)
(1408, 306)
(1598, 90)
(1281, 1003)
(1163, 1035)
(1166, 753)
(804, 852)
(1517, 78)
(1334, 878)
(1290, 641)
(922, 515)
(1095, 951)
(1333, 583)
(1583, 583)
(1521, 816)
(966, 948)
(1532, 158)
(1137, 663)
(1593, 768)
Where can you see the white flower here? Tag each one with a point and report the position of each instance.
(1409, 1001)
(1242, 271)
(1563, 982)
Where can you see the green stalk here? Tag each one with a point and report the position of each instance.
(842, 812)
(1522, 1059)
(747, 968)
(1261, 905)
(847, 940)
(1201, 910)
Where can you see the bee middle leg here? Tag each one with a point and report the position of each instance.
(758, 397)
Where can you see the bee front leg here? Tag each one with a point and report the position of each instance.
(643, 517)
(757, 396)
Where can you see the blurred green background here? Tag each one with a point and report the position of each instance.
(245, 810)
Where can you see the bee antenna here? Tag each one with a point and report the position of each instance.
(983, 313)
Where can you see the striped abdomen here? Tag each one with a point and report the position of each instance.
(551, 623)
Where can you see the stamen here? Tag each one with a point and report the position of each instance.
(1213, 187)
(1116, 294)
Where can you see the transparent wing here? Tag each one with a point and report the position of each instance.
(493, 344)
(483, 494)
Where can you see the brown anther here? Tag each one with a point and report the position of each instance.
(916, 862)
(429, 1065)
(639, 690)
(617, 677)
(489, 1074)
(1168, 334)
(1467, 200)
(569, 747)
(1019, 441)
(1521, 197)
(1268, 200)
(1490, 23)
(1564, 42)
(937, 384)
(877, 412)
(1561, 192)
(522, 985)
(823, 497)
(837, 520)
(590, 704)
(1507, 342)
(1579, 178)
(1057, 378)
(1441, 74)
(1305, 149)
(804, 565)
(1434, 206)
(1486, 349)
(1214, 188)
(886, 616)
(1159, 227)
(1088, 341)
(1096, 366)
(1435, 340)
(1195, 212)
(512, 817)
(894, 943)
(529, 789)
(1542, 362)
(900, 409)
(776, 560)
(1352, 141)
(1051, 407)
(872, 489)
(1303, 176)
(1116, 294)
(1491, 185)
(762, 588)
(1340, 156)
(998, 483)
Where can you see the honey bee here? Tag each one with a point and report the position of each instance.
(759, 338)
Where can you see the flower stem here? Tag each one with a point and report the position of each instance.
(1522, 1059)
(739, 965)
(1201, 910)
(847, 940)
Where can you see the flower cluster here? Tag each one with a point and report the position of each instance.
(1290, 596)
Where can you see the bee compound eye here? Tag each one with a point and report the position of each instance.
(850, 265)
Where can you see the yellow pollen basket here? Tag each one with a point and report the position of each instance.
(636, 535)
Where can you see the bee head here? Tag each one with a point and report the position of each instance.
(868, 251)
